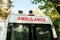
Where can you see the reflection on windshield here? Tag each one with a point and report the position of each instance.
(28, 32)
(20, 33)
(43, 33)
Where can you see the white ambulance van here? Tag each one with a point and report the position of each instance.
(24, 27)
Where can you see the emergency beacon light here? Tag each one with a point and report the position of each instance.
(30, 13)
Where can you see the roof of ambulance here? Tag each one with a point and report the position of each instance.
(12, 18)
(25, 14)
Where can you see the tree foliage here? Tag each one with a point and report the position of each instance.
(49, 7)
(1, 1)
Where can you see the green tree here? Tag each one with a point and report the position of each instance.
(1, 1)
(49, 8)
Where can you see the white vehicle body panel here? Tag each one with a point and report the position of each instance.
(13, 19)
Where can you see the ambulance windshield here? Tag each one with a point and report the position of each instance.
(17, 31)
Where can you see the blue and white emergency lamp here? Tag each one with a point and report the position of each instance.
(30, 13)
